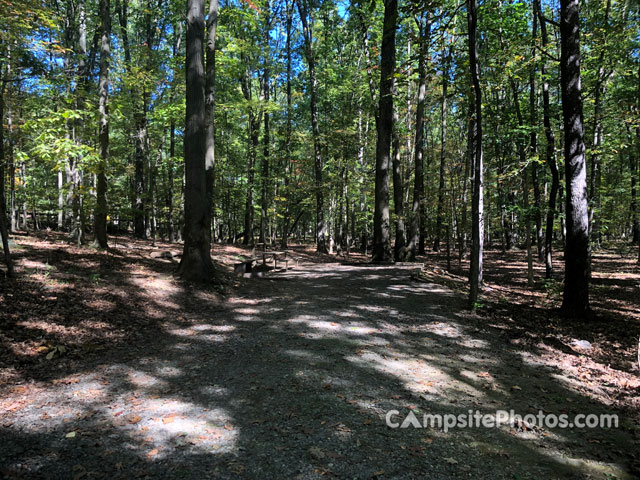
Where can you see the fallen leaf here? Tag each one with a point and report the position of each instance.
(135, 419)
(153, 453)
(228, 426)
(450, 460)
(70, 435)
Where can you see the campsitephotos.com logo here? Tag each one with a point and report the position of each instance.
(498, 419)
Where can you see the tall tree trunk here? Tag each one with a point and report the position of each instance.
(287, 173)
(443, 140)
(307, 26)
(210, 97)
(382, 242)
(598, 132)
(525, 184)
(575, 301)
(477, 204)
(100, 214)
(418, 186)
(75, 173)
(170, 182)
(264, 203)
(196, 259)
(635, 221)
(253, 140)
(468, 160)
(399, 249)
(534, 137)
(3, 204)
(550, 152)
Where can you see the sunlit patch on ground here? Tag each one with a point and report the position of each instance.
(291, 377)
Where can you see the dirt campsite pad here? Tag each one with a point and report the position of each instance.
(112, 368)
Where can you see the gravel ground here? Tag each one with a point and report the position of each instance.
(291, 376)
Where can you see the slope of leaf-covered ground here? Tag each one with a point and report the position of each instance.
(112, 368)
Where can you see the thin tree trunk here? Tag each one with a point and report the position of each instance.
(575, 301)
(3, 204)
(550, 152)
(534, 138)
(264, 203)
(598, 132)
(477, 214)
(443, 140)
(253, 140)
(170, 182)
(100, 214)
(287, 172)
(635, 221)
(399, 249)
(210, 97)
(418, 186)
(525, 184)
(307, 26)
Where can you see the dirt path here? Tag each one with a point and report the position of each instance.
(291, 377)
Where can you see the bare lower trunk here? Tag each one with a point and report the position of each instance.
(100, 214)
(418, 186)
(307, 26)
(575, 302)
(477, 214)
(196, 259)
(382, 243)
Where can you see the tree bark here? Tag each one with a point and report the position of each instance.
(253, 139)
(598, 133)
(418, 186)
(575, 301)
(264, 203)
(533, 139)
(196, 262)
(287, 173)
(3, 204)
(307, 25)
(210, 97)
(100, 214)
(399, 249)
(443, 140)
(525, 184)
(550, 152)
(477, 207)
(382, 242)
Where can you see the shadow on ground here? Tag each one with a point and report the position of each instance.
(289, 377)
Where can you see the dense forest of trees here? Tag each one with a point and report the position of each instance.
(391, 127)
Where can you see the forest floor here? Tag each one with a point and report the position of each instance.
(110, 367)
